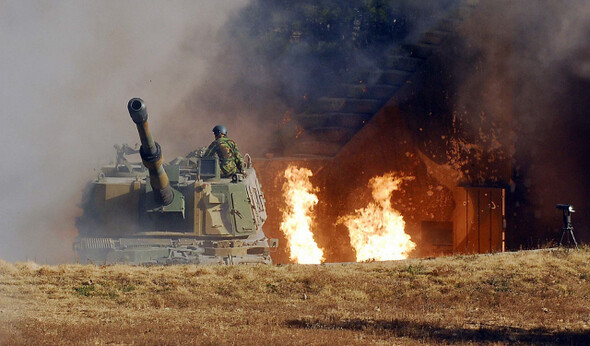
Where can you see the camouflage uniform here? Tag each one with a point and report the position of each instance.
(230, 159)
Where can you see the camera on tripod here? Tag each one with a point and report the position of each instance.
(566, 207)
(567, 229)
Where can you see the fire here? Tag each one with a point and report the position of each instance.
(377, 231)
(300, 199)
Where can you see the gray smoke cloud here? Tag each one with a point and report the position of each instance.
(280, 56)
(68, 69)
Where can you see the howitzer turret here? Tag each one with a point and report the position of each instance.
(151, 153)
(182, 211)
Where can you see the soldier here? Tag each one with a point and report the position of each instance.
(125, 150)
(230, 159)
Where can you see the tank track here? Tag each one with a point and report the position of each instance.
(168, 251)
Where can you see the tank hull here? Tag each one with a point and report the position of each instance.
(219, 222)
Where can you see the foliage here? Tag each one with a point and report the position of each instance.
(305, 45)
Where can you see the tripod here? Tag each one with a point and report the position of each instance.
(567, 228)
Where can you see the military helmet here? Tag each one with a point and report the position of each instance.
(220, 129)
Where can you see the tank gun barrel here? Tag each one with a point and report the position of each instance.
(151, 153)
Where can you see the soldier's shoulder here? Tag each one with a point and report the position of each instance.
(229, 140)
(225, 141)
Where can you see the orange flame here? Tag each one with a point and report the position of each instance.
(297, 220)
(377, 231)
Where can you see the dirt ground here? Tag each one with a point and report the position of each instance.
(540, 297)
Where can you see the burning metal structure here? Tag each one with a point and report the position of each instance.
(353, 138)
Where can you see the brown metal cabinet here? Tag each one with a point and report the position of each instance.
(478, 220)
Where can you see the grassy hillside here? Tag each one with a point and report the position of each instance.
(535, 296)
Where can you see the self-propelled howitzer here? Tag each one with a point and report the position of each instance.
(185, 214)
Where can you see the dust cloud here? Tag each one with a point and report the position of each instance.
(68, 69)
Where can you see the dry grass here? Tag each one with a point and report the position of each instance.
(524, 297)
